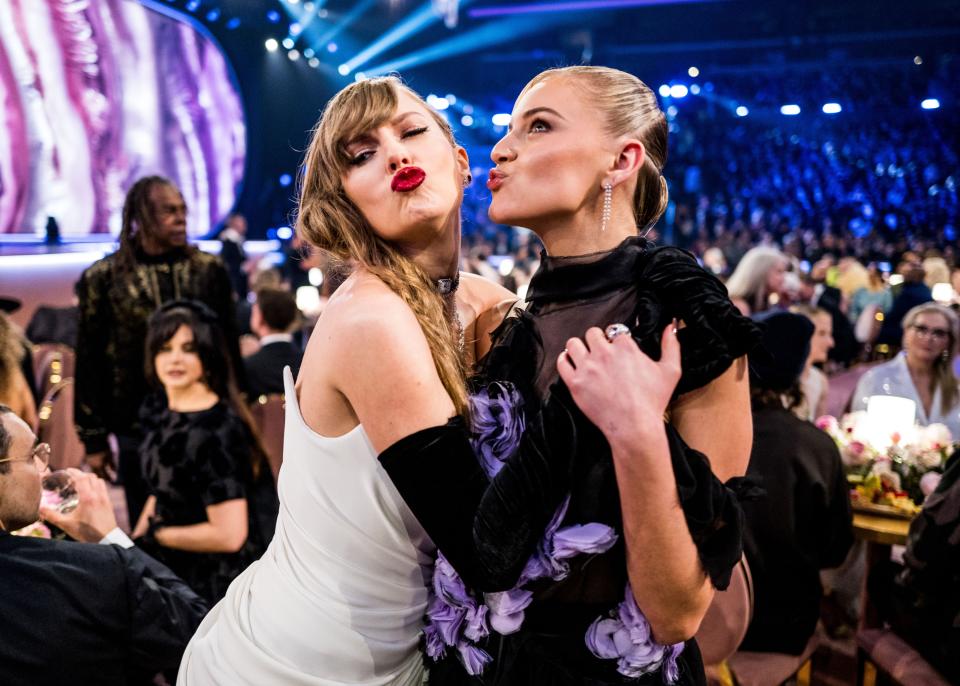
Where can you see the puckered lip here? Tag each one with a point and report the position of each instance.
(495, 179)
(407, 179)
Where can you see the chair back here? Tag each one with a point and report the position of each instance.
(57, 427)
(52, 363)
(728, 617)
(268, 413)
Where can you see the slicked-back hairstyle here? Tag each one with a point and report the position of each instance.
(330, 221)
(628, 108)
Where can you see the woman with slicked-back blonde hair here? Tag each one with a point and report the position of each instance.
(340, 595)
(647, 527)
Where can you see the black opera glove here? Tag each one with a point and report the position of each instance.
(487, 527)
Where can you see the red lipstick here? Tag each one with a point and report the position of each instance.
(408, 179)
(495, 180)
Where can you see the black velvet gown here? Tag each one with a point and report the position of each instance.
(644, 287)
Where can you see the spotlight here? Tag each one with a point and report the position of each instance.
(790, 110)
(466, 120)
(343, 69)
(213, 15)
(287, 42)
(672, 111)
(308, 53)
(233, 23)
(285, 180)
(359, 76)
(678, 91)
(331, 47)
(437, 103)
(271, 45)
(294, 55)
(284, 233)
(664, 91)
(695, 89)
(308, 7)
(930, 104)
(451, 98)
(742, 111)
(273, 16)
(295, 29)
(468, 109)
(918, 60)
(193, 5)
(293, 2)
(693, 72)
(315, 276)
(832, 108)
(314, 62)
(501, 119)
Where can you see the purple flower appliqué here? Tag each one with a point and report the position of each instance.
(626, 636)
(549, 561)
(498, 424)
(455, 619)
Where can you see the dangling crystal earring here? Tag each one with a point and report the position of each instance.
(607, 205)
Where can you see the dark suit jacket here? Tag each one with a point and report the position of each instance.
(265, 367)
(78, 613)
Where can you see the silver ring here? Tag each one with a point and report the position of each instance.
(615, 330)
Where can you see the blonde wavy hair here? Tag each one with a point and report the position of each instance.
(330, 221)
(628, 108)
(749, 280)
(943, 376)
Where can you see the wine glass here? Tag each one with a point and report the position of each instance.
(59, 493)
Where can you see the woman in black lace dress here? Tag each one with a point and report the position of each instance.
(212, 503)
(643, 529)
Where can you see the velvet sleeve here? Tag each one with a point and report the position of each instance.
(714, 332)
(487, 527)
(711, 508)
(92, 399)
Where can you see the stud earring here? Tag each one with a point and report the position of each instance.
(607, 205)
(467, 180)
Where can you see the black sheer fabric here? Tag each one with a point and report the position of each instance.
(644, 287)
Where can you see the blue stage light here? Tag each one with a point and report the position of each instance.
(288, 42)
(285, 180)
(295, 29)
(359, 76)
(271, 44)
(832, 108)
(271, 234)
(416, 22)
(273, 16)
(233, 23)
(930, 104)
(332, 47)
(693, 72)
(694, 89)
(790, 110)
(678, 91)
(294, 55)
(501, 119)
(344, 22)
(193, 5)
(285, 233)
(213, 14)
(308, 53)
(313, 62)
(466, 120)
(343, 69)
(664, 91)
(742, 111)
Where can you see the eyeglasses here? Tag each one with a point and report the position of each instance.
(41, 453)
(936, 334)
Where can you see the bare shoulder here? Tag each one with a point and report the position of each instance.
(482, 293)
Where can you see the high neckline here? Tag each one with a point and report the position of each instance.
(581, 276)
(168, 257)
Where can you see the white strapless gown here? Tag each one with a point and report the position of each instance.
(339, 596)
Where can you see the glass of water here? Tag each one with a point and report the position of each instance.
(59, 493)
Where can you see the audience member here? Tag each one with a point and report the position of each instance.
(913, 292)
(803, 524)
(74, 612)
(232, 237)
(920, 599)
(14, 387)
(869, 299)
(212, 504)
(923, 371)
(274, 314)
(51, 324)
(154, 264)
(757, 282)
(814, 384)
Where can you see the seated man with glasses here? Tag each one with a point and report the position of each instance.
(923, 371)
(75, 612)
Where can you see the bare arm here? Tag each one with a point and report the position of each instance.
(716, 420)
(666, 577)
(225, 530)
